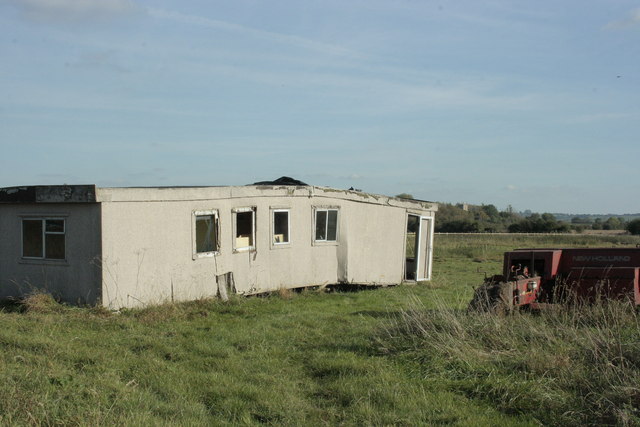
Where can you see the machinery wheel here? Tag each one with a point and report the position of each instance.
(494, 297)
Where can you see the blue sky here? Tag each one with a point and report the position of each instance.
(529, 104)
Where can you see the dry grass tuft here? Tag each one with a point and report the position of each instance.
(40, 302)
(285, 293)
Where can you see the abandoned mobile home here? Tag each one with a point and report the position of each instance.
(125, 247)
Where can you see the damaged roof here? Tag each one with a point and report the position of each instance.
(49, 194)
(283, 180)
(284, 186)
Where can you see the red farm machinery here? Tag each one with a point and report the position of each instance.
(532, 278)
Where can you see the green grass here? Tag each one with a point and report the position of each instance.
(316, 358)
(566, 366)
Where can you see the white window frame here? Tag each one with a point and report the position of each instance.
(43, 219)
(275, 244)
(236, 211)
(216, 218)
(324, 241)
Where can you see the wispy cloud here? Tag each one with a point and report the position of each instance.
(288, 39)
(100, 59)
(599, 117)
(632, 20)
(57, 11)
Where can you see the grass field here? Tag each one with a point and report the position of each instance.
(408, 355)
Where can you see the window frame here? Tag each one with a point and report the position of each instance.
(194, 237)
(43, 221)
(274, 244)
(235, 212)
(326, 209)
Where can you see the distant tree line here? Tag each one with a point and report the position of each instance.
(473, 219)
(464, 218)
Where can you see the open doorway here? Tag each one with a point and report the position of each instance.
(412, 244)
(418, 248)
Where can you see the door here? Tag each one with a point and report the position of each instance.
(425, 249)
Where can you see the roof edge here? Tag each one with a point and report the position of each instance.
(49, 194)
(92, 194)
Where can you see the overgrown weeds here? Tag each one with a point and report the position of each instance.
(570, 365)
(40, 302)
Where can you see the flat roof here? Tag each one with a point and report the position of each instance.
(93, 194)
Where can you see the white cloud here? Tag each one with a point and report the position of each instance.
(632, 20)
(74, 10)
(511, 187)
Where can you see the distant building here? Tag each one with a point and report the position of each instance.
(125, 247)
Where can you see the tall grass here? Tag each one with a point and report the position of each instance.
(570, 365)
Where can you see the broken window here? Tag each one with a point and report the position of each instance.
(43, 238)
(326, 225)
(205, 233)
(280, 226)
(245, 228)
(206, 239)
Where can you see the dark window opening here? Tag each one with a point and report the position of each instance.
(43, 238)
(412, 243)
(332, 225)
(326, 225)
(280, 227)
(32, 238)
(245, 229)
(321, 225)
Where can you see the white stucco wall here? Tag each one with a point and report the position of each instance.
(147, 245)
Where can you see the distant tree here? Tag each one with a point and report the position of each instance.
(547, 217)
(634, 226)
(518, 227)
(597, 224)
(479, 214)
(623, 223)
(491, 211)
(509, 216)
(612, 223)
(578, 228)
